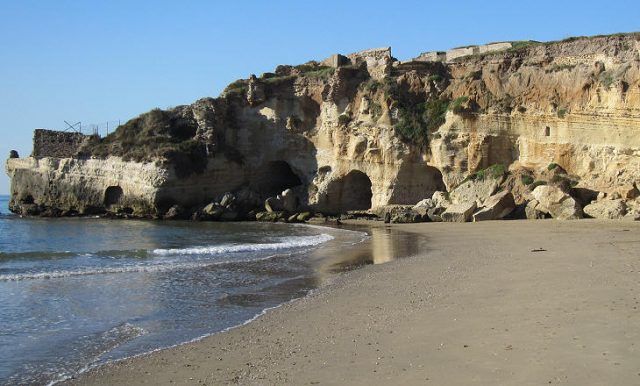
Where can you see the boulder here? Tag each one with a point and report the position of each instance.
(293, 218)
(227, 199)
(213, 210)
(268, 216)
(440, 199)
(176, 212)
(14, 154)
(289, 200)
(473, 190)
(286, 201)
(304, 216)
(532, 212)
(272, 204)
(557, 203)
(496, 207)
(459, 212)
(434, 214)
(401, 214)
(606, 209)
(423, 207)
(628, 192)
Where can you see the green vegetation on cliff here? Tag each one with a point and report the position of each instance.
(157, 134)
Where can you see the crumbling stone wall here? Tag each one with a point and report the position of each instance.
(57, 144)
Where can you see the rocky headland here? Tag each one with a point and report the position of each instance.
(509, 130)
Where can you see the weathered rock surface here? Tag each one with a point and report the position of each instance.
(401, 214)
(606, 209)
(459, 212)
(557, 203)
(475, 190)
(496, 207)
(532, 212)
(350, 137)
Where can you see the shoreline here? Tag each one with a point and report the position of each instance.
(328, 269)
(481, 305)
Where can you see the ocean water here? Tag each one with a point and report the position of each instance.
(78, 292)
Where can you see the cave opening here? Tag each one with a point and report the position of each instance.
(275, 177)
(112, 196)
(351, 192)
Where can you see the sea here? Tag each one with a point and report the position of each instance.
(76, 293)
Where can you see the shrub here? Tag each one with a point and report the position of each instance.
(375, 110)
(278, 79)
(456, 105)
(607, 79)
(526, 179)
(561, 113)
(323, 73)
(494, 171)
(521, 45)
(237, 87)
(344, 119)
(416, 121)
(552, 166)
(371, 85)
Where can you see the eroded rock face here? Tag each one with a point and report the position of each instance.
(533, 212)
(459, 212)
(367, 133)
(496, 207)
(607, 209)
(478, 190)
(557, 203)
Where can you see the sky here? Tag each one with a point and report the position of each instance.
(98, 61)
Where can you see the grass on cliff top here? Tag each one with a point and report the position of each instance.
(155, 135)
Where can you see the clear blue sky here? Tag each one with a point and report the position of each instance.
(94, 61)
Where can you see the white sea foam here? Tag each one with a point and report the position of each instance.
(165, 266)
(289, 242)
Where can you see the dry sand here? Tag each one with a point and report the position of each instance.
(475, 306)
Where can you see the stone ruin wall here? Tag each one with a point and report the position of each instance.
(56, 144)
(448, 56)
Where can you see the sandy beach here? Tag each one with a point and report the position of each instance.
(500, 302)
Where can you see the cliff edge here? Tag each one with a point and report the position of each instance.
(363, 132)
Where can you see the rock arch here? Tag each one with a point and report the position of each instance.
(112, 196)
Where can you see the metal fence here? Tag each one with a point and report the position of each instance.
(101, 129)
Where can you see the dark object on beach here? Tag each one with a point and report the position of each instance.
(387, 218)
(539, 250)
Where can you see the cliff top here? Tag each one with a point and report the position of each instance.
(412, 97)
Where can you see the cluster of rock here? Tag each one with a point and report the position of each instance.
(367, 131)
(501, 195)
(245, 206)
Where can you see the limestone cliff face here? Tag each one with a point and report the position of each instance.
(370, 132)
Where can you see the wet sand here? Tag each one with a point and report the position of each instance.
(504, 302)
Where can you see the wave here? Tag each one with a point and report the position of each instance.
(287, 243)
(166, 266)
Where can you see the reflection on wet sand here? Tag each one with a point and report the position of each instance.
(385, 244)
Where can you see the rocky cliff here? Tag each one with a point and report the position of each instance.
(365, 131)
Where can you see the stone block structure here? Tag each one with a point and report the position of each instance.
(58, 144)
(448, 56)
